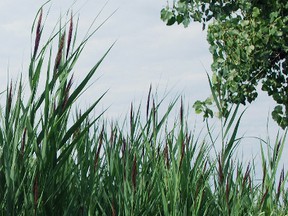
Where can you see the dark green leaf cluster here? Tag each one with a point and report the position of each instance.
(249, 44)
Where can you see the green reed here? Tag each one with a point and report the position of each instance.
(57, 160)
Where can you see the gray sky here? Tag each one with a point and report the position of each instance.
(146, 52)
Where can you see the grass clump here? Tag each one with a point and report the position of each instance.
(51, 164)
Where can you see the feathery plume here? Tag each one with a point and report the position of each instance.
(220, 171)
(181, 112)
(38, 34)
(264, 197)
(69, 35)
(182, 154)
(246, 175)
(281, 180)
(59, 53)
(148, 101)
(66, 94)
(9, 99)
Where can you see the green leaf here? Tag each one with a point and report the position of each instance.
(166, 14)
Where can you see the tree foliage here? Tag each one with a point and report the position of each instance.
(249, 44)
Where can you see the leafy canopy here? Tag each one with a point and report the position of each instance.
(249, 44)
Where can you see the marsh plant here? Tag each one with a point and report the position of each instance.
(58, 160)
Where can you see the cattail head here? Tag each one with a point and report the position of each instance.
(246, 175)
(124, 147)
(154, 110)
(38, 34)
(188, 139)
(220, 171)
(205, 167)
(59, 53)
(148, 102)
(182, 154)
(66, 93)
(264, 197)
(69, 35)
(70, 83)
(181, 112)
(77, 131)
(9, 99)
(227, 192)
(131, 119)
(281, 180)
(277, 150)
(264, 175)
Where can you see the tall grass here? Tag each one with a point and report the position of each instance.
(57, 161)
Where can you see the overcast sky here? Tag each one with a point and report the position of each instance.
(146, 52)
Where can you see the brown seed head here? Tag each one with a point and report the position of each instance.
(69, 35)
(220, 171)
(112, 135)
(124, 147)
(181, 112)
(154, 110)
(227, 192)
(246, 175)
(66, 93)
(277, 149)
(9, 99)
(264, 197)
(264, 175)
(204, 168)
(182, 154)
(148, 102)
(131, 117)
(38, 34)
(59, 53)
(281, 180)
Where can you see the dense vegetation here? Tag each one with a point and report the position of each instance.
(249, 44)
(57, 160)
